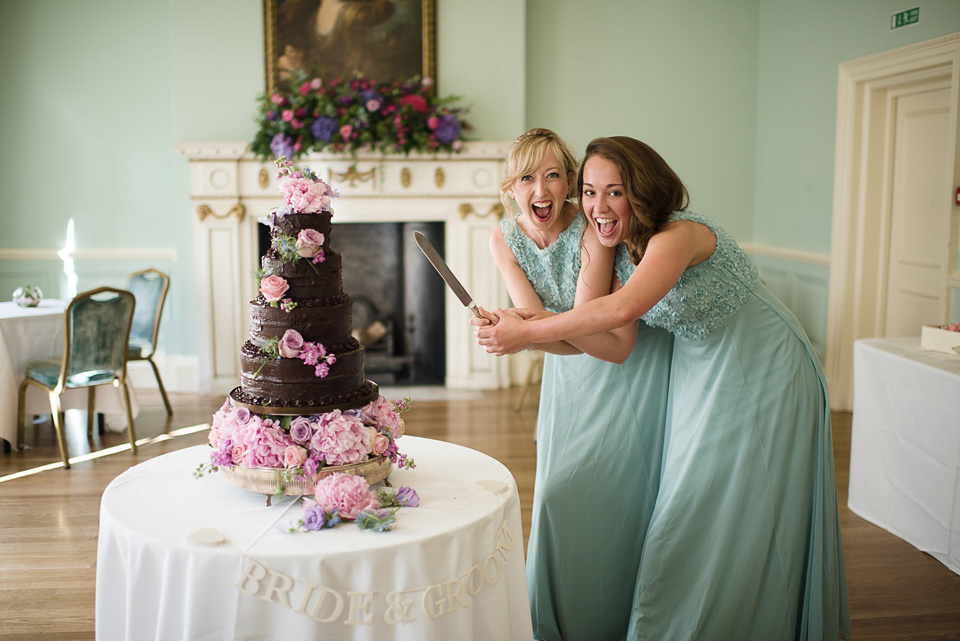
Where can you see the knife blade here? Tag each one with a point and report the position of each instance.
(438, 264)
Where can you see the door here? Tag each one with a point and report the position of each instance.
(917, 270)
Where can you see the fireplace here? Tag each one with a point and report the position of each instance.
(397, 299)
(454, 199)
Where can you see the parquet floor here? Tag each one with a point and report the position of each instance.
(49, 520)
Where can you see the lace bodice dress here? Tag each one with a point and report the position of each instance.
(599, 447)
(744, 542)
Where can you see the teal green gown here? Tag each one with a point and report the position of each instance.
(600, 432)
(744, 542)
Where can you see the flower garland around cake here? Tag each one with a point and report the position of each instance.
(344, 115)
(299, 447)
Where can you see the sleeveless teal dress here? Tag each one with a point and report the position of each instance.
(600, 442)
(744, 542)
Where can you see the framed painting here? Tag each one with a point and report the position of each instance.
(384, 40)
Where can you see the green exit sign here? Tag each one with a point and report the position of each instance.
(903, 18)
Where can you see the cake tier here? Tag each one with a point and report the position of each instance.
(289, 382)
(306, 279)
(327, 321)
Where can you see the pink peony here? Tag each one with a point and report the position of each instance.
(347, 494)
(294, 456)
(305, 196)
(273, 287)
(341, 439)
(387, 417)
(290, 344)
(309, 243)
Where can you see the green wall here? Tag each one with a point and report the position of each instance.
(738, 95)
(801, 46)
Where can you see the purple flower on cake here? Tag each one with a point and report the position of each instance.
(291, 344)
(273, 287)
(301, 430)
(340, 439)
(309, 243)
(346, 494)
(241, 415)
(316, 354)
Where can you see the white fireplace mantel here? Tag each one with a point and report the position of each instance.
(230, 189)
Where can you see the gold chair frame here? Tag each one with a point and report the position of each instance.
(56, 410)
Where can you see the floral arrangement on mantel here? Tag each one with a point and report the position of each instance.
(344, 115)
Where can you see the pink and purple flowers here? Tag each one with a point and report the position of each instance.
(308, 443)
(345, 115)
(343, 497)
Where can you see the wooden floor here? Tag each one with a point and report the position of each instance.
(49, 520)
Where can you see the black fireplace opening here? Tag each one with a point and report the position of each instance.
(398, 308)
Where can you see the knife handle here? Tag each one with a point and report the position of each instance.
(472, 306)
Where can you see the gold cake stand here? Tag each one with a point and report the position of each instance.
(283, 482)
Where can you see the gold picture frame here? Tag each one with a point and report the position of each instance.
(384, 40)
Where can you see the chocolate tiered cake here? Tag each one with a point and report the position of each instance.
(304, 408)
(316, 307)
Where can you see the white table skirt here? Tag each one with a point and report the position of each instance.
(34, 333)
(452, 569)
(905, 447)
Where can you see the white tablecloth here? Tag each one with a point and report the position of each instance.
(33, 333)
(452, 569)
(905, 449)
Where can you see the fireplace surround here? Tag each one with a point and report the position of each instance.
(230, 189)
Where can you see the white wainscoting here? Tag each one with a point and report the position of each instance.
(801, 280)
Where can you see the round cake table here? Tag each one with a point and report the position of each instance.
(450, 569)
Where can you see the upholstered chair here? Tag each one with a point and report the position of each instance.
(96, 333)
(150, 289)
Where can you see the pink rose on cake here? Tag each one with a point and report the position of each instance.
(309, 243)
(273, 287)
(345, 494)
(294, 456)
(291, 343)
(237, 453)
(381, 443)
(341, 439)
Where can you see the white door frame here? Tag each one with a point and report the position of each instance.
(862, 191)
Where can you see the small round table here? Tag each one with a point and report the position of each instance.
(452, 568)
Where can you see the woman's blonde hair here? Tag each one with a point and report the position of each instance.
(526, 154)
(654, 190)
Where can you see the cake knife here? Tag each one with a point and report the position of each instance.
(438, 263)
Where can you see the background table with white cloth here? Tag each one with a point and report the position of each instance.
(34, 333)
(450, 569)
(905, 447)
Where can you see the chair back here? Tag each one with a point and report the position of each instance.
(149, 287)
(97, 331)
